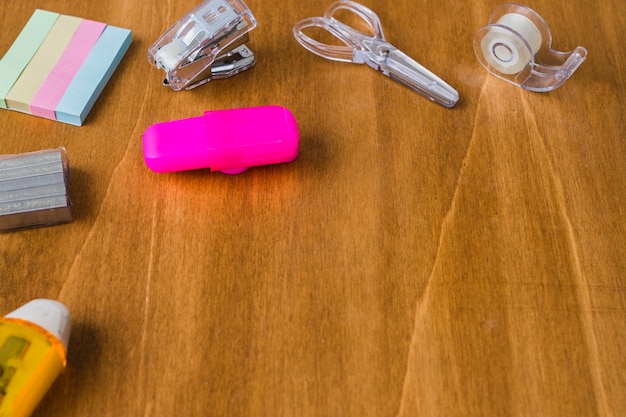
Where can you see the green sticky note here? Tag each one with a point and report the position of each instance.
(23, 49)
(51, 49)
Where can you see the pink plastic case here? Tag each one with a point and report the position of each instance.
(230, 141)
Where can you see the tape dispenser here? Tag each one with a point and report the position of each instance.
(208, 43)
(515, 46)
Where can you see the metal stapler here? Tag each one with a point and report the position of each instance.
(208, 43)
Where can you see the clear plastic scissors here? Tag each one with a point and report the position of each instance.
(372, 50)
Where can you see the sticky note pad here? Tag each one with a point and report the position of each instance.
(23, 49)
(57, 81)
(96, 71)
(59, 65)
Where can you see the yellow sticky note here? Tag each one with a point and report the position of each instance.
(33, 76)
(23, 49)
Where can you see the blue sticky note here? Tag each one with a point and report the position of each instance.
(93, 75)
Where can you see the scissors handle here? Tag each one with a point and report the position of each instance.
(351, 37)
(333, 52)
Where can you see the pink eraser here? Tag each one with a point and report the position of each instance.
(230, 141)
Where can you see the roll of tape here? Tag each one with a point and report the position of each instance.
(504, 50)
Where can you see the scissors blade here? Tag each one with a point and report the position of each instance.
(400, 67)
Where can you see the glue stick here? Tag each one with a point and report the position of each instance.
(33, 348)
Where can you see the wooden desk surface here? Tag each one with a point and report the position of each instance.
(413, 261)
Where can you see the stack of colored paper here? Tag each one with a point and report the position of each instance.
(58, 66)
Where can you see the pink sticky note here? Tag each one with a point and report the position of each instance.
(57, 81)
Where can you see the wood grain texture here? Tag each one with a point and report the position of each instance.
(413, 261)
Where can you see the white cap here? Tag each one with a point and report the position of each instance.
(48, 314)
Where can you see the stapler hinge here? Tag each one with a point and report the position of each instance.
(226, 65)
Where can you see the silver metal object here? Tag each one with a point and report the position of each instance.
(34, 189)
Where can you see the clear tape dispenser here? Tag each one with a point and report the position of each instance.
(515, 46)
(207, 43)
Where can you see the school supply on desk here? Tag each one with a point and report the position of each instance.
(208, 43)
(34, 189)
(230, 141)
(515, 46)
(33, 349)
(373, 50)
(58, 66)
